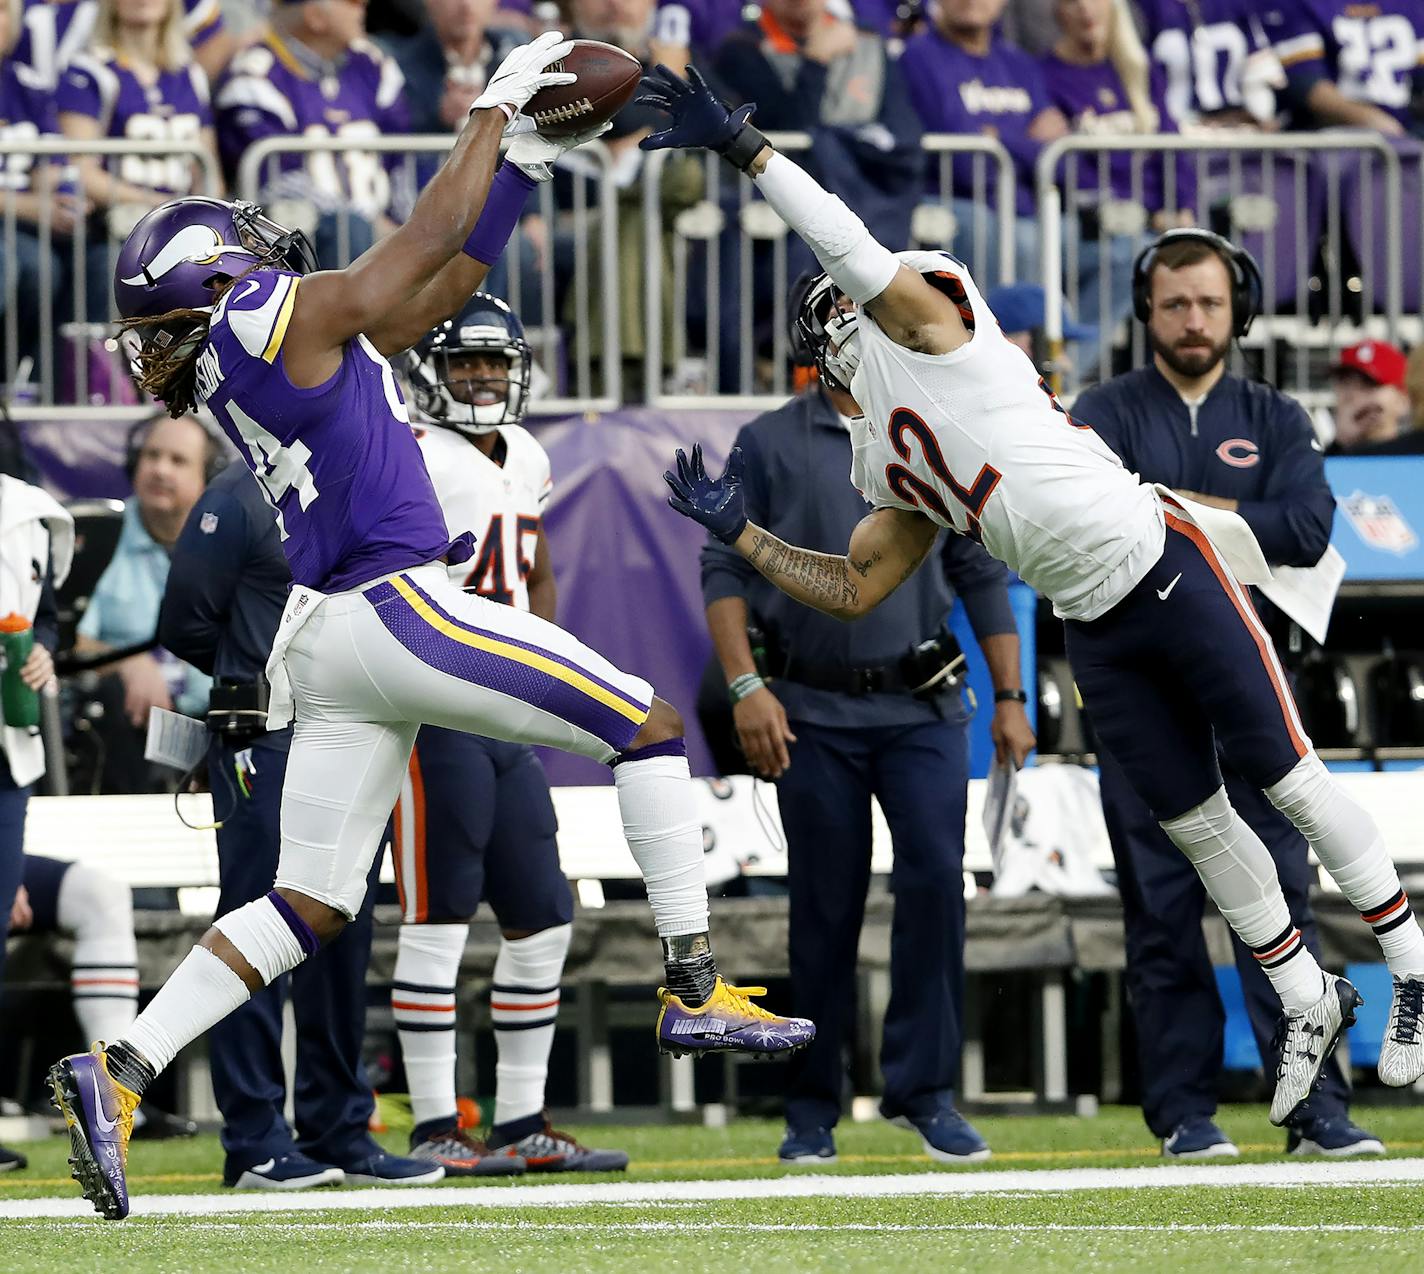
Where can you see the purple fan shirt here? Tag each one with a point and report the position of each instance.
(53, 31)
(337, 461)
(26, 113)
(999, 95)
(275, 88)
(1372, 51)
(1202, 47)
(698, 25)
(1095, 103)
(174, 108)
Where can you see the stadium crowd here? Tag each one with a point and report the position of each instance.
(867, 79)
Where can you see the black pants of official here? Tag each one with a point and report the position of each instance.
(919, 775)
(328, 992)
(14, 801)
(1170, 981)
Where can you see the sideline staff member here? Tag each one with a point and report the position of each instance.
(1237, 444)
(839, 723)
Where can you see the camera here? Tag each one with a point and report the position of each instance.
(934, 666)
(237, 710)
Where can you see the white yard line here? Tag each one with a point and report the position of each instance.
(944, 1184)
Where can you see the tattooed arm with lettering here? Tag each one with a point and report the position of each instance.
(885, 547)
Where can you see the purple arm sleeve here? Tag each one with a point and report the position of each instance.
(505, 201)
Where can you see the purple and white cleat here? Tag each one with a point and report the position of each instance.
(99, 1114)
(729, 1023)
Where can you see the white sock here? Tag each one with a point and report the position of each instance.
(660, 822)
(200, 992)
(1240, 876)
(103, 979)
(1349, 845)
(423, 1002)
(524, 1003)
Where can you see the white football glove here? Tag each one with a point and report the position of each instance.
(523, 73)
(535, 154)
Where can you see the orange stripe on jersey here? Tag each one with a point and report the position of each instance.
(1275, 951)
(524, 1008)
(130, 982)
(1253, 626)
(408, 1007)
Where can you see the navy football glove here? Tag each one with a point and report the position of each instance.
(699, 120)
(717, 503)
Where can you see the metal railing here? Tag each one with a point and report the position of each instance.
(575, 334)
(55, 268)
(1282, 197)
(728, 256)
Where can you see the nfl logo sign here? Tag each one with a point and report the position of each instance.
(1379, 522)
(208, 523)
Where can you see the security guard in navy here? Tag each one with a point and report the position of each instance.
(832, 717)
(1237, 444)
(227, 586)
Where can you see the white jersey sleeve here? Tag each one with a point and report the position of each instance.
(503, 504)
(977, 441)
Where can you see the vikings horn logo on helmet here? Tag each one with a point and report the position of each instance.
(195, 245)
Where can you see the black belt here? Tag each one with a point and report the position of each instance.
(878, 679)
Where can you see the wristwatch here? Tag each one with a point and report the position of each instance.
(1010, 696)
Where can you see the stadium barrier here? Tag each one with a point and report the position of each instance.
(564, 287)
(718, 268)
(1320, 212)
(51, 353)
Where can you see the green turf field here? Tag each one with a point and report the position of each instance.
(870, 1212)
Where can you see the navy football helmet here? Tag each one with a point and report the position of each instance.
(827, 326)
(455, 373)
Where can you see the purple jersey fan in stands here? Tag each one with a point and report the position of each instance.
(359, 503)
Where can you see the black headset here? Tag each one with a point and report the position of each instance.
(215, 456)
(1246, 286)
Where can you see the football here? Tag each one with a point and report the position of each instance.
(607, 78)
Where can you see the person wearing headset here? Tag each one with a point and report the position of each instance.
(169, 462)
(1236, 444)
(834, 718)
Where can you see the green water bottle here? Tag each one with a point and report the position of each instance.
(19, 704)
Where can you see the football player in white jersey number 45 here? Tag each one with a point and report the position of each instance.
(959, 431)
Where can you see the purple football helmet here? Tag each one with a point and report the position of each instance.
(171, 261)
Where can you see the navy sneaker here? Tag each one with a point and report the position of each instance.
(1198, 1138)
(1337, 1138)
(945, 1134)
(380, 1169)
(292, 1171)
(10, 1160)
(807, 1147)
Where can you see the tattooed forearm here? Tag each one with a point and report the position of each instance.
(818, 579)
(862, 567)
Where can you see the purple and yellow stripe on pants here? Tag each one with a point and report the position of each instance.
(507, 665)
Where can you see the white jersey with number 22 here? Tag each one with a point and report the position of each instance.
(975, 440)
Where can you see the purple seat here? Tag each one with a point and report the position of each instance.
(1285, 250)
(1366, 229)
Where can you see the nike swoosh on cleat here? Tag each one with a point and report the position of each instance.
(264, 1167)
(105, 1124)
(1164, 593)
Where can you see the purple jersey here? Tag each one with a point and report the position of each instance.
(1372, 51)
(1202, 47)
(26, 113)
(1095, 103)
(698, 25)
(338, 461)
(278, 89)
(173, 108)
(999, 95)
(53, 31)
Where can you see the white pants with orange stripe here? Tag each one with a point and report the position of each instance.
(370, 666)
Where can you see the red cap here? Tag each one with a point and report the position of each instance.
(1380, 361)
